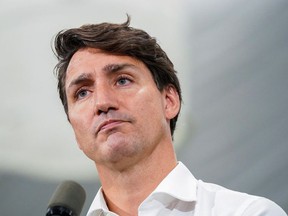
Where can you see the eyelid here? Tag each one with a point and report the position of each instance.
(124, 76)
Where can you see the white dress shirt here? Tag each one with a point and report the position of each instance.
(180, 194)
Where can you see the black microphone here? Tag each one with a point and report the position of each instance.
(67, 200)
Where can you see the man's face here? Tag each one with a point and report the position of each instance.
(116, 111)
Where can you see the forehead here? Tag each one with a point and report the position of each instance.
(92, 60)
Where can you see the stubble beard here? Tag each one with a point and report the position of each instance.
(119, 151)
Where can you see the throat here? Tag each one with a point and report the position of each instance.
(126, 190)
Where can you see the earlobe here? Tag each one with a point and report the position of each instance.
(172, 102)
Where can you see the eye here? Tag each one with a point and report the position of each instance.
(82, 93)
(123, 81)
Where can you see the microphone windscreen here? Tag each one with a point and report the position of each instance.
(70, 195)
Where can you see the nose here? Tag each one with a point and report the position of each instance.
(105, 99)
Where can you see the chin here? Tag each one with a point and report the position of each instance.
(119, 148)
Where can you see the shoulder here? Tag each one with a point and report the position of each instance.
(223, 201)
(265, 207)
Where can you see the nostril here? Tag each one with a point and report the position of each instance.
(104, 111)
(105, 102)
(99, 112)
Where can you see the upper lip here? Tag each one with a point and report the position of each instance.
(106, 122)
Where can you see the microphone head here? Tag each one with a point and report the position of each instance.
(68, 199)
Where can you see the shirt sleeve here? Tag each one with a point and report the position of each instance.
(263, 207)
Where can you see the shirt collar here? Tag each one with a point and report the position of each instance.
(178, 184)
(99, 206)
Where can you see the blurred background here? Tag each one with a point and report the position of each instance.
(232, 60)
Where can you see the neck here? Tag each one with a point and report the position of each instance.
(124, 190)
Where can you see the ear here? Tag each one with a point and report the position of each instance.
(171, 102)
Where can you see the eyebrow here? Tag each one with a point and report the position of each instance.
(112, 68)
(84, 77)
(109, 68)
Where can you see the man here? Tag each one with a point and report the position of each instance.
(122, 97)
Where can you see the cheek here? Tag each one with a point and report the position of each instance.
(80, 124)
(80, 115)
(150, 107)
(149, 95)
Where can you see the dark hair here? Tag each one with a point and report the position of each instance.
(117, 39)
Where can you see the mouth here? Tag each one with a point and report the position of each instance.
(109, 124)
